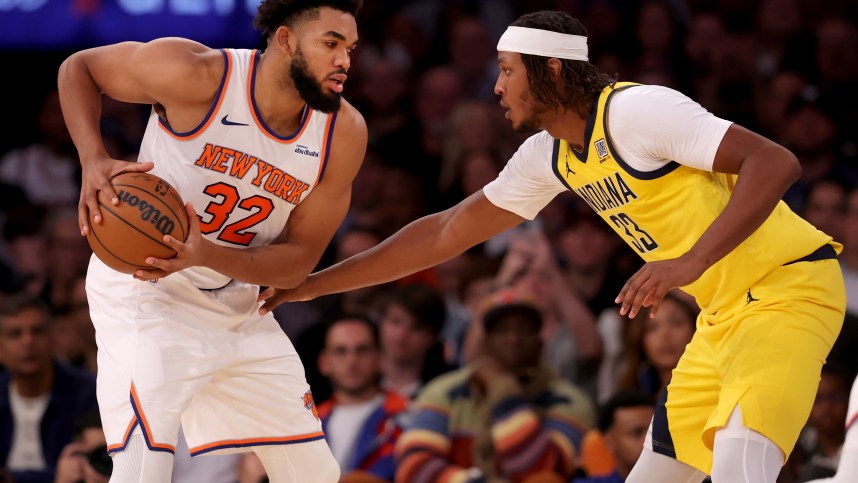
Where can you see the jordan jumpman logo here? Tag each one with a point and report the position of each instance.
(751, 298)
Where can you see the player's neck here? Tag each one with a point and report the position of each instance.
(567, 125)
(279, 104)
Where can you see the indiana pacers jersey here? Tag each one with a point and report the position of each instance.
(662, 213)
(242, 178)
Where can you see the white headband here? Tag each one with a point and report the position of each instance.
(544, 43)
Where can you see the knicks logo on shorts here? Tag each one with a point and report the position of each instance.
(309, 404)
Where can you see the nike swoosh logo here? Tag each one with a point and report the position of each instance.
(227, 122)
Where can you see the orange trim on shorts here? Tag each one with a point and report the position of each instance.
(242, 443)
(211, 115)
(144, 425)
(122, 444)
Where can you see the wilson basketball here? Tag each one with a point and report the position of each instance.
(133, 230)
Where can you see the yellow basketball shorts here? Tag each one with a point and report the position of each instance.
(763, 353)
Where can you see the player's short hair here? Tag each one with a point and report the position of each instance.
(274, 13)
(583, 80)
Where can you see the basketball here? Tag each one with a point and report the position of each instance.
(133, 230)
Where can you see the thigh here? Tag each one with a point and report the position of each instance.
(149, 368)
(261, 399)
(775, 349)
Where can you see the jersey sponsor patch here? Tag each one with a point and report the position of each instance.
(301, 149)
(601, 149)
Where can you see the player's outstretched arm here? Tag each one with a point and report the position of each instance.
(423, 243)
(175, 73)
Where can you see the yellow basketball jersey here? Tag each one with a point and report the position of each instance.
(662, 213)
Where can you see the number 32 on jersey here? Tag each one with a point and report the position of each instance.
(226, 200)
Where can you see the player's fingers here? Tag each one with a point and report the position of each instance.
(83, 216)
(107, 188)
(624, 292)
(630, 290)
(193, 219)
(92, 204)
(273, 301)
(265, 294)
(147, 275)
(167, 266)
(640, 296)
(174, 243)
(138, 167)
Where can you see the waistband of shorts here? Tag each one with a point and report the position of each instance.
(825, 252)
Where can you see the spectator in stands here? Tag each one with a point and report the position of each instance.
(67, 256)
(505, 416)
(623, 422)
(411, 351)
(361, 419)
(85, 459)
(825, 206)
(822, 439)
(847, 469)
(47, 170)
(655, 344)
(572, 347)
(40, 398)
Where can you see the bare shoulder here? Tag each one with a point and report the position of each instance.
(177, 56)
(349, 140)
(350, 123)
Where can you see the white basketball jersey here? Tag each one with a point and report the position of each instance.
(242, 178)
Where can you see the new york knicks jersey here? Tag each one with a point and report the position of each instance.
(662, 213)
(242, 178)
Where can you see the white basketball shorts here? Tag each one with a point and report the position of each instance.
(169, 352)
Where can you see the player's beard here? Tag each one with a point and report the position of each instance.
(309, 88)
(534, 110)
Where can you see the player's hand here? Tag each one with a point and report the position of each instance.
(272, 297)
(190, 253)
(650, 284)
(96, 176)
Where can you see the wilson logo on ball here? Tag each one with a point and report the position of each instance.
(148, 213)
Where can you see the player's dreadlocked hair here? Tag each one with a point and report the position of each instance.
(274, 13)
(582, 79)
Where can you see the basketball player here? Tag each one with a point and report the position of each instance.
(847, 467)
(699, 199)
(264, 149)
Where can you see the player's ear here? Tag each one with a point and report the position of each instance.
(556, 67)
(284, 38)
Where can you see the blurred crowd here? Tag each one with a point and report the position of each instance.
(510, 358)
